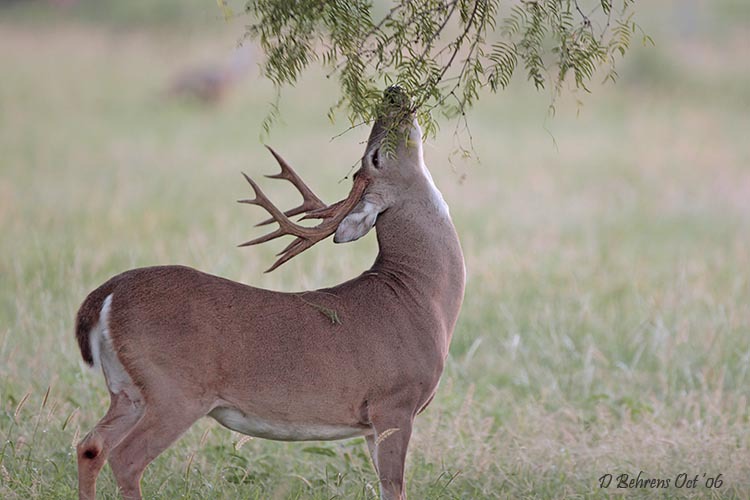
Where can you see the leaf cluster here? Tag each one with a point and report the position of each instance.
(443, 53)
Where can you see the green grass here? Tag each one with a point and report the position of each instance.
(606, 324)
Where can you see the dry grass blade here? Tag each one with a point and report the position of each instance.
(70, 418)
(241, 442)
(386, 434)
(46, 396)
(76, 435)
(20, 405)
(203, 438)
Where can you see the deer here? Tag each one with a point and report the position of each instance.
(360, 359)
(210, 83)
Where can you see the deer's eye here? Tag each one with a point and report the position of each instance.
(376, 158)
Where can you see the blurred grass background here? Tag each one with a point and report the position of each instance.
(607, 313)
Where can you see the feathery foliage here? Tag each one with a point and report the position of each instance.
(441, 52)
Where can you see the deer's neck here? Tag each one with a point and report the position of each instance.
(420, 256)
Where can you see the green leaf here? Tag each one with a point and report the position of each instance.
(225, 9)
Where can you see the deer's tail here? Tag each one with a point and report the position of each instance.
(93, 311)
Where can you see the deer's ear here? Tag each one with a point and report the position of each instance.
(359, 221)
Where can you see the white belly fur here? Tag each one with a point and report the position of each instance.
(282, 431)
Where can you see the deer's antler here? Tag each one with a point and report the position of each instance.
(311, 206)
(309, 200)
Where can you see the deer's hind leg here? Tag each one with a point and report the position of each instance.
(125, 410)
(163, 422)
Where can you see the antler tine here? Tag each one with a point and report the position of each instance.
(333, 214)
(286, 226)
(262, 239)
(306, 237)
(294, 248)
(329, 211)
(324, 212)
(310, 200)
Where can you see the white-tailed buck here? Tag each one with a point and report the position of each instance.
(359, 359)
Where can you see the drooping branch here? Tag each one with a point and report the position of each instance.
(443, 53)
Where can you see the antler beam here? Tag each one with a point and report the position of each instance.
(311, 206)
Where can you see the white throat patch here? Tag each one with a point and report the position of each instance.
(435, 195)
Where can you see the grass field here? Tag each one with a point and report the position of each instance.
(606, 323)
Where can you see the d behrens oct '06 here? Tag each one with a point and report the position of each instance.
(359, 359)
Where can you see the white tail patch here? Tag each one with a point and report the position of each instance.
(104, 354)
(101, 328)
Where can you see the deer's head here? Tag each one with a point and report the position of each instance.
(392, 161)
(391, 165)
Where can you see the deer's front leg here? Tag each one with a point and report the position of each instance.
(392, 433)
